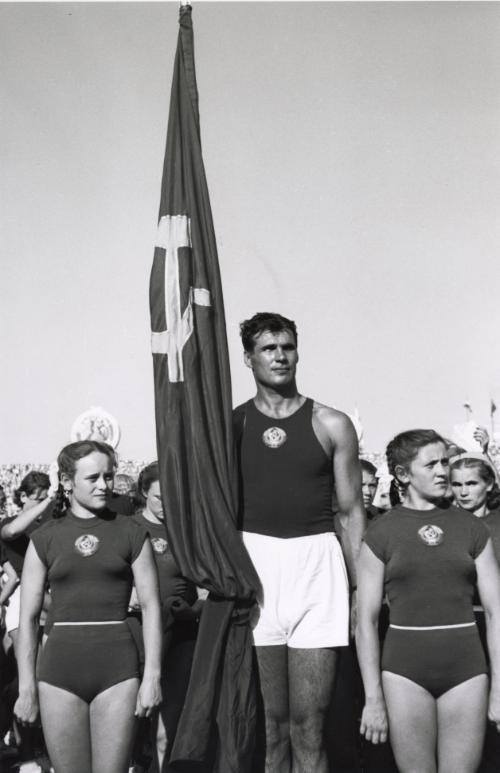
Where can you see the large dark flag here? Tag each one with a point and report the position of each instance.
(194, 437)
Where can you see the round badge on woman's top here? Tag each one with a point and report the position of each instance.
(159, 545)
(274, 437)
(87, 545)
(431, 535)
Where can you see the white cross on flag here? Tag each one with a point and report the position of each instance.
(174, 233)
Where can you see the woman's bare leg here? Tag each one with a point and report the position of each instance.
(461, 725)
(412, 724)
(112, 727)
(65, 722)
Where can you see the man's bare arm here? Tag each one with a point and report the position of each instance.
(336, 429)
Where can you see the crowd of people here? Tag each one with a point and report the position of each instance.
(376, 628)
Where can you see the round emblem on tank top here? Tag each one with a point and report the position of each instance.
(159, 545)
(274, 437)
(87, 545)
(431, 535)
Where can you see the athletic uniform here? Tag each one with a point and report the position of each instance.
(430, 577)
(172, 584)
(286, 520)
(179, 638)
(89, 563)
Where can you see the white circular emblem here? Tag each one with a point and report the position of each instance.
(87, 545)
(431, 535)
(274, 437)
(159, 545)
(96, 424)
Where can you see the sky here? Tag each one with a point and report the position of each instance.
(352, 152)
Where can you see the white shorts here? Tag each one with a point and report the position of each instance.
(305, 600)
(12, 610)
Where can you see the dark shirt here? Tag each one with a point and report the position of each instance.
(172, 583)
(121, 504)
(429, 558)
(89, 562)
(286, 477)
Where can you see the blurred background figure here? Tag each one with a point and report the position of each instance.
(382, 500)
(3, 503)
(35, 503)
(125, 484)
(369, 485)
(475, 488)
(123, 499)
(8, 672)
(181, 609)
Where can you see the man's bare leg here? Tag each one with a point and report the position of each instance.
(272, 665)
(311, 676)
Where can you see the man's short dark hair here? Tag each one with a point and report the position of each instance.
(265, 321)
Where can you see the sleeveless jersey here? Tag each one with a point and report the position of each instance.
(286, 478)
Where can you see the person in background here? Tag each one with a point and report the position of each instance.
(35, 498)
(8, 681)
(123, 496)
(475, 489)
(3, 503)
(349, 750)
(432, 684)
(87, 687)
(369, 485)
(124, 484)
(9, 582)
(181, 610)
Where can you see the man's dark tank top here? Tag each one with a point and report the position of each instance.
(286, 477)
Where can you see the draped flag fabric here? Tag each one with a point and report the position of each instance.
(195, 445)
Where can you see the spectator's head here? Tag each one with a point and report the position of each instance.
(149, 486)
(418, 461)
(368, 481)
(473, 483)
(33, 489)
